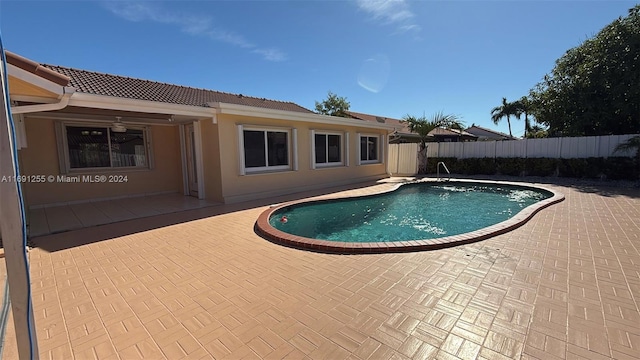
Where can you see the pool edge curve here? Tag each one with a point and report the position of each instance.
(268, 232)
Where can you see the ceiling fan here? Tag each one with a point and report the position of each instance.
(118, 126)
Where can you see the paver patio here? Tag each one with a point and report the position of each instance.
(201, 284)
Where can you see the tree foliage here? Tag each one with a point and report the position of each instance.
(423, 126)
(594, 88)
(536, 132)
(333, 105)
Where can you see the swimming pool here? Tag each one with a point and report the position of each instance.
(411, 217)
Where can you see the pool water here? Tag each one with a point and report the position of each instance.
(412, 212)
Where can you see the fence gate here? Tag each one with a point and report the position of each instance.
(403, 159)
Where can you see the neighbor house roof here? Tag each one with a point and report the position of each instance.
(483, 132)
(97, 83)
(400, 126)
(449, 132)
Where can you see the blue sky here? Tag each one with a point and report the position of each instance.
(388, 58)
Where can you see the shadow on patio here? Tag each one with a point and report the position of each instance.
(83, 235)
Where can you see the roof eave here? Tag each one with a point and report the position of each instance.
(117, 103)
(243, 110)
(35, 79)
(36, 69)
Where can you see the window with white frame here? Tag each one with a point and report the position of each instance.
(97, 147)
(369, 149)
(265, 149)
(327, 149)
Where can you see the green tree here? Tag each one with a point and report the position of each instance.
(536, 131)
(423, 126)
(594, 88)
(333, 105)
(506, 110)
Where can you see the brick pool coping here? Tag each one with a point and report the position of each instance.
(264, 229)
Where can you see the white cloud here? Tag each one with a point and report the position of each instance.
(391, 12)
(271, 54)
(196, 25)
(230, 38)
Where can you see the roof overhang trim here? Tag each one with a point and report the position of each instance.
(145, 106)
(35, 80)
(243, 110)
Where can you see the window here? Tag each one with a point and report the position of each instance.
(327, 149)
(265, 150)
(90, 147)
(369, 149)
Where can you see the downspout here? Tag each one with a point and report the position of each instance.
(67, 92)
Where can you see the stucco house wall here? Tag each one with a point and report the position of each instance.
(237, 187)
(50, 98)
(41, 157)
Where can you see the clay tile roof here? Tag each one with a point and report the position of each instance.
(96, 83)
(471, 129)
(402, 127)
(449, 132)
(36, 69)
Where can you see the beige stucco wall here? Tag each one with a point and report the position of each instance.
(236, 187)
(41, 158)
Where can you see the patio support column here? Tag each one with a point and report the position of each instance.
(197, 132)
(183, 157)
(11, 225)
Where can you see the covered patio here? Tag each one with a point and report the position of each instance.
(54, 219)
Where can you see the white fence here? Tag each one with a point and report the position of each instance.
(403, 157)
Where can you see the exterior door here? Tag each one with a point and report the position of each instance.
(192, 169)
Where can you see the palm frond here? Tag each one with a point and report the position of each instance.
(629, 145)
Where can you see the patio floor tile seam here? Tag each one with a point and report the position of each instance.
(608, 321)
(44, 346)
(533, 325)
(178, 327)
(132, 311)
(95, 309)
(619, 262)
(576, 332)
(603, 329)
(205, 344)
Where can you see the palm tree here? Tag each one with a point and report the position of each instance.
(423, 126)
(505, 110)
(630, 145)
(523, 106)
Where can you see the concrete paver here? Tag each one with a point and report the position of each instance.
(201, 284)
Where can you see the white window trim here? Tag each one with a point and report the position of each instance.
(292, 148)
(63, 148)
(379, 152)
(294, 152)
(343, 154)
